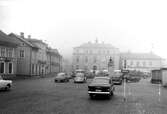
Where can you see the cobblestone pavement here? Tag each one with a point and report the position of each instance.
(43, 96)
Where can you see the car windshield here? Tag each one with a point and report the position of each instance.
(101, 81)
(60, 75)
(79, 75)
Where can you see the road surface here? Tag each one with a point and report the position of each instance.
(43, 96)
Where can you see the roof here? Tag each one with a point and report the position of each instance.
(18, 39)
(104, 77)
(95, 45)
(130, 55)
(7, 40)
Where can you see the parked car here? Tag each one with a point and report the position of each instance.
(80, 78)
(5, 84)
(62, 77)
(101, 86)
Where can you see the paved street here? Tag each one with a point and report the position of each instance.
(43, 96)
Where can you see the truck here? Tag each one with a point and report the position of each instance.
(164, 77)
(156, 76)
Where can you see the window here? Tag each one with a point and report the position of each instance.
(2, 67)
(137, 64)
(144, 64)
(77, 66)
(90, 51)
(108, 52)
(22, 54)
(86, 59)
(131, 63)
(10, 68)
(9, 52)
(150, 63)
(95, 59)
(32, 68)
(2, 52)
(77, 59)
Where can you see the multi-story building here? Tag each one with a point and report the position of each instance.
(54, 59)
(144, 62)
(34, 57)
(95, 56)
(8, 57)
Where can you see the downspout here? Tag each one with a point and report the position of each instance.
(30, 61)
(50, 63)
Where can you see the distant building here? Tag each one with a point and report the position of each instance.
(95, 56)
(8, 56)
(144, 62)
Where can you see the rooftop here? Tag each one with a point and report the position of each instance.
(7, 40)
(130, 55)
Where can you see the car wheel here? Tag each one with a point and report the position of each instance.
(8, 87)
(91, 96)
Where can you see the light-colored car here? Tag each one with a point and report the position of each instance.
(80, 78)
(5, 84)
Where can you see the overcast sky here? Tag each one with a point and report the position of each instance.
(136, 25)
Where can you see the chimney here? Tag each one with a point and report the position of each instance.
(22, 34)
(29, 36)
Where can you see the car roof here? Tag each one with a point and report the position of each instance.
(80, 74)
(100, 77)
(62, 73)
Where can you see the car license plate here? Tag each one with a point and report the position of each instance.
(98, 90)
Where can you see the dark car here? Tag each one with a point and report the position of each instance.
(80, 78)
(101, 86)
(117, 80)
(62, 77)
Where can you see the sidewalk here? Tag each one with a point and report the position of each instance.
(32, 77)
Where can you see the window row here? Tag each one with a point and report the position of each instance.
(143, 63)
(94, 51)
(3, 68)
(6, 52)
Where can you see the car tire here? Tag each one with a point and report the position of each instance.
(8, 87)
(91, 96)
(111, 93)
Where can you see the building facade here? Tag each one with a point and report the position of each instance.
(95, 56)
(34, 57)
(144, 62)
(8, 56)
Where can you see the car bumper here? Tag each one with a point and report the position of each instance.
(95, 92)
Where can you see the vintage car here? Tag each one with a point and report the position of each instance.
(101, 86)
(80, 78)
(62, 77)
(5, 84)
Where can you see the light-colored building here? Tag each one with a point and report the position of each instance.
(34, 57)
(144, 62)
(54, 60)
(8, 57)
(94, 56)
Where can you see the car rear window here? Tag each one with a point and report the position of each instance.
(100, 81)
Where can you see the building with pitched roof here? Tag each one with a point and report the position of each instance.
(8, 56)
(92, 56)
(34, 57)
(95, 56)
(144, 62)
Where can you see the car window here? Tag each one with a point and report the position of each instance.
(1, 78)
(100, 81)
(60, 75)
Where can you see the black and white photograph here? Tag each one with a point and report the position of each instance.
(83, 57)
